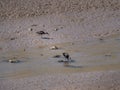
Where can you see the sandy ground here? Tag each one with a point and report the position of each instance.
(29, 8)
(104, 80)
(84, 26)
(88, 30)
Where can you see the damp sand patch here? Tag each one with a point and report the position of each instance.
(87, 56)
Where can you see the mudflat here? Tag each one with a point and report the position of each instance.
(88, 30)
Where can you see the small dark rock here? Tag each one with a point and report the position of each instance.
(12, 38)
(30, 29)
(60, 61)
(41, 54)
(13, 61)
(41, 32)
(54, 48)
(117, 30)
(72, 43)
(57, 56)
(61, 27)
(108, 55)
(24, 50)
(101, 39)
(56, 29)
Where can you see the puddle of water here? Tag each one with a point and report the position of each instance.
(88, 56)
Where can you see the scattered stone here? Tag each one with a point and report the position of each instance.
(30, 29)
(42, 32)
(61, 27)
(57, 56)
(12, 38)
(24, 50)
(117, 30)
(101, 39)
(54, 48)
(108, 55)
(56, 29)
(41, 54)
(13, 61)
(60, 61)
(72, 43)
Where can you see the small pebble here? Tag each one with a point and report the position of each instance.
(117, 30)
(30, 29)
(24, 50)
(13, 61)
(56, 29)
(101, 39)
(53, 47)
(12, 38)
(41, 54)
(57, 56)
(61, 27)
(108, 55)
(72, 43)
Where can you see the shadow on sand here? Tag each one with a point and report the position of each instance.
(63, 61)
(46, 38)
(68, 64)
(16, 62)
(72, 66)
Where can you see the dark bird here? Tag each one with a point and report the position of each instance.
(66, 56)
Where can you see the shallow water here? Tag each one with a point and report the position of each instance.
(92, 55)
